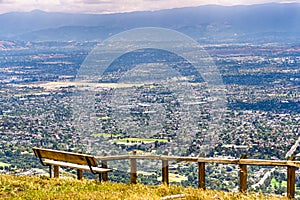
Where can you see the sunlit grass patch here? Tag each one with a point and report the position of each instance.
(22, 187)
(106, 135)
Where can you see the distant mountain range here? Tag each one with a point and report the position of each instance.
(262, 23)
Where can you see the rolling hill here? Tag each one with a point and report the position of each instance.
(211, 22)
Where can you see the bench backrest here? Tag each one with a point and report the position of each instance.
(81, 159)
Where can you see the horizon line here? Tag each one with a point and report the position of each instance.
(153, 10)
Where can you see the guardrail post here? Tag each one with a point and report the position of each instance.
(133, 173)
(243, 175)
(165, 170)
(291, 180)
(201, 174)
(104, 165)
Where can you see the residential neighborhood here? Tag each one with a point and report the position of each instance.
(42, 105)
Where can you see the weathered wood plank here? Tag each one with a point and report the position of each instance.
(291, 180)
(104, 175)
(50, 171)
(165, 170)
(65, 156)
(243, 178)
(76, 166)
(79, 174)
(148, 157)
(56, 171)
(243, 174)
(263, 162)
(201, 175)
(219, 160)
(133, 170)
(179, 158)
(293, 164)
(104, 165)
(110, 158)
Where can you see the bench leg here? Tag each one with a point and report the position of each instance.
(100, 177)
(56, 171)
(104, 176)
(79, 174)
(50, 171)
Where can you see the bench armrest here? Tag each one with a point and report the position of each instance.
(38, 154)
(90, 164)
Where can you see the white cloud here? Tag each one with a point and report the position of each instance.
(111, 6)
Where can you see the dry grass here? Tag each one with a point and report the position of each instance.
(21, 187)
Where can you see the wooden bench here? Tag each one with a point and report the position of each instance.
(49, 157)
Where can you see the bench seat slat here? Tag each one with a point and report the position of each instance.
(76, 166)
(65, 156)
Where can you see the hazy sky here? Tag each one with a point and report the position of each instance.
(112, 6)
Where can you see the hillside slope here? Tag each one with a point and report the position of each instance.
(22, 187)
(265, 21)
